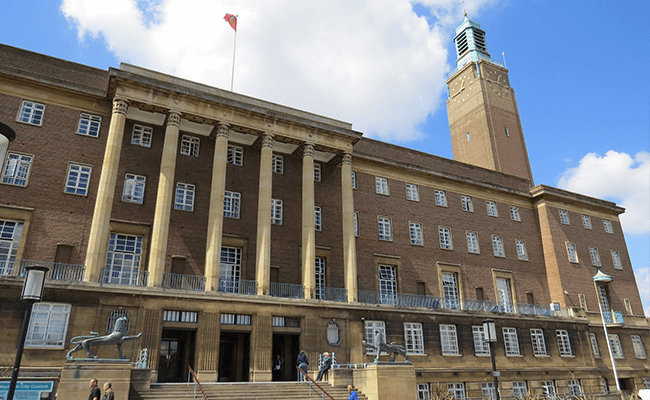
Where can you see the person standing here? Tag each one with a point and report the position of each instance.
(327, 364)
(277, 369)
(95, 393)
(108, 391)
(302, 362)
(353, 393)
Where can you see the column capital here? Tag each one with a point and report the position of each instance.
(120, 106)
(267, 140)
(174, 118)
(222, 129)
(307, 150)
(347, 159)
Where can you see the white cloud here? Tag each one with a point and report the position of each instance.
(374, 63)
(619, 177)
(642, 276)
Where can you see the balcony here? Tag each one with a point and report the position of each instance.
(183, 282)
(124, 276)
(237, 286)
(613, 318)
(57, 271)
(287, 290)
(332, 294)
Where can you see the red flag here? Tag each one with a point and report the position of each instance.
(232, 20)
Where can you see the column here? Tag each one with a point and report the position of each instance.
(263, 265)
(349, 239)
(100, 226)
(308, 222)
(164, 198)
(215, 219)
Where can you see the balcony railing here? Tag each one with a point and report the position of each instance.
(613, 317)
(237, 286)
(481, 305)
(287, 290)
(544, 311)
(58, 271)
(183, 282)
(332, 294)
(124, 276)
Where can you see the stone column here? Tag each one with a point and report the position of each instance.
(349, 240)
(215, 219)
(100, 226)
(164, 198)
(308, 222)
(263, 266)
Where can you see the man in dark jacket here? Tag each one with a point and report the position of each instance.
(327, 364)
(302, 362)
(95, 392)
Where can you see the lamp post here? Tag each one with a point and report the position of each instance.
(6, 135)
(490, 332)
(601, 277)
(32, 292)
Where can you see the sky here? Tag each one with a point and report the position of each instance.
(579, 70)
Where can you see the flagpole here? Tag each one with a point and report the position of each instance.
(232, 75)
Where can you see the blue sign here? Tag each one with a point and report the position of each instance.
(27, 390)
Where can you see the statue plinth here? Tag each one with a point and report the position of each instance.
(78, 372)
(383, 380)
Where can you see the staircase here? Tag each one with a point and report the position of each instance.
(241, 391)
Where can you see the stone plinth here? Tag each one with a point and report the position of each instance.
(386, 381)
(77, 373)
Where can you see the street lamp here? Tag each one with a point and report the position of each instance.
(32, 292)
(490, 332)
(6, 135)
(601, 277)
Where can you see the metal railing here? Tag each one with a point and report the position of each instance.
(332, 294)
(114, 276)
(544, 311)
(183, 282)
(58, 271)
(613, 317)
(481, 305)
(196, 382)
(312, 381)
(237, 286)
(287, 290)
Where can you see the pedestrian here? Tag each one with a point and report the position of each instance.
(108, 391)
(277, 367)
(302, 362)
(325, 366)
(95, 393)
(353, 393)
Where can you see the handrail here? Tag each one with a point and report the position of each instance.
(205, 397)
(317, 385)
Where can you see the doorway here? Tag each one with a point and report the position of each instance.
(287, 346)
(176, 353)
(234, 356)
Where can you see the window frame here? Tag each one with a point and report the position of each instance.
(413, 338)
(594, 345)
(381, 186)
(278, 164)
(444, 238)
(387, 283)
(497, 246)
(235, 155)
(616, 260)
(595, 256)
(77, 187)
(466, 203)
(607, 225)
(369, 330)
(141, 135)
(356, 224)
(491, 207)
(449, 340)
(133, 185)
(190, 146)
(481, 347)
(415, 233)
(537, 342)
(471, 241)
(575, 389)
(20, 171)
(385, 229)
(637, 345)
(564, 217)
(511, 342)
(93, 124)
(572, 252)
(412, 192)
(11, 232)
(586, 221)
(184, 196)
(522, 251)
(232, 204)
(564, 343)
(318, 218)
(318, 172)
(515, 215)
(616, 346)
(441, 197)
(31, 113)
(277, 212)
(61, 323)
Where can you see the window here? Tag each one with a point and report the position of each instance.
(320, 277)
(466, 202)
(522, 253)
(571, 252)
(639, 351)
(317, 172)
(472, 242)
(445, 238)
(180, 316)
(230, 269)
(235, 319)
(497, 246)
(384, 228)
(574, 388)
(617, 349)
(141, 135)
(595, 257)
(48, 325)
(519, 389)
(423, 391)
(583, 301)
(412, 192)
(123, 259)
(450, 290)
(537, 340)
(646, 383)
(628, 306)
(469, 136)
(381, 185)
(235, 155)
(563, 342)
(415, 229)
(371, 327)
(356, 223)
(413, 338)
(586, 221)
(190, 146)
(278, 164)
(603, 299)
(10, 232)
(616, 259)
(441, 198)
(133, 188)
(481, 347)
(89, 125)
(564, 217)
(354, 180)
(276, 212)
(184, 198)
(232, 205)
(457, 390)
(607, 224)
(505, 295)
(449, 340)
(387, 284)
(594, 345)
(514, 215)
(605, 385)
(510, 341)
(548, 388)
(16, 170)
(78, 179)
(488, 391)
(318, 218)
(492, 209)
(31, 113)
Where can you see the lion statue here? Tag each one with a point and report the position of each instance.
(118, 336)
(380, 345)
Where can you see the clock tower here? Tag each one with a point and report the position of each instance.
(483, 116)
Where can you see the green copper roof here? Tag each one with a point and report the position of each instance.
(602, 277)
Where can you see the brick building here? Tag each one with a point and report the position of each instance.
(231, 230)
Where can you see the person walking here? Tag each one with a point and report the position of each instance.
(302, 362)
(327, 364)
(353, 393)
(108, 391)
(95, 393)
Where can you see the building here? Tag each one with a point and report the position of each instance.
(231, 230)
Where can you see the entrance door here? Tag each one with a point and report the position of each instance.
(176, 353)
(234, 356)
(287, 346)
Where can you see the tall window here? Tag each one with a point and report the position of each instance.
(317, 172)
(320, 278)
(639, 350)
(412, 192)
(384, 228)
(141, 135)
(628, 306)
(603, 299)
(10, 232)
(441, 198)
(616, 259)
(184, 198)
(469, 136)
(563, 342)
(370, 329)
(457, 390)
(356, 223)
(607, 224)
(522, 253)
(450, 290)
(318, 218)
(505, 295)
(78, 179)
(615, 343)
(133, 191)
(354, 179)
(514, 214)
(586, 221)
(488, 390)
(492, 208)
(387, 284)
(230, 269)
(574, 388)
(481, 347)
(646, 383)
(235, 155)
(31, 113)
(232, 205)
(48, 325)
(276, 212)
(423, 391)
(190, 146)
(445, 238)
(583, 301)
(571, 252)
(594, 345)
(510, 341)
(564, 217)
(381, 185)
(595, 257)
(466, 203)
(548, 388)
(415, 229)
(519, 389)
(16, 169)
(449, 340)
(414, 338)
(472, 242)
(89, 125)
(278, 164)
(123, 259)
(497, 246)
(537, 340)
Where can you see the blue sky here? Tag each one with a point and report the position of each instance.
(579, 70)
